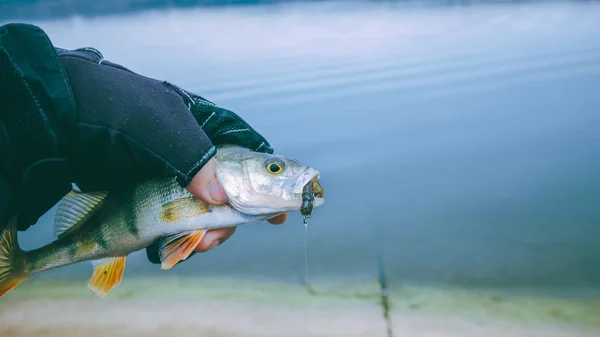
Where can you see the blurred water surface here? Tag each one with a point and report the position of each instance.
(467, 134)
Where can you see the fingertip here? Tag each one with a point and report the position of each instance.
(214, 238)
(216, 192)
(278, 220)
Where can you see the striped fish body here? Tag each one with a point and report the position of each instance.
(97, 225)
(105, 227)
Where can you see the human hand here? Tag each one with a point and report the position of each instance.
(118, 142)
(205, 186)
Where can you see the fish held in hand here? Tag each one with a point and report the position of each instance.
(105, 227)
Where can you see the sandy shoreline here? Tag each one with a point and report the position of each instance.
(48, 318)
(226, 308)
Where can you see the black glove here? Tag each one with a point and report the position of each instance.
(100, 125)
(222, 126)
(143, 127)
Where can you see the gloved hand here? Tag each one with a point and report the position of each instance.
(223, 126)
(168, 129)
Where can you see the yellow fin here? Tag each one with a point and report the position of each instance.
(12, 259)
(74, 209)
(183, 208)
(108, 274)
(178, 247)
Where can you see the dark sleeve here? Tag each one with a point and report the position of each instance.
(130, 126)
(34, 104)
(7, 200)
(68, 117)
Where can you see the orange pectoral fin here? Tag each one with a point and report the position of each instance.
(178, 247)
(108, 274)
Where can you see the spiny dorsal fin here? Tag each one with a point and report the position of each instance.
(74, 209)
(177, 247)
(108, 274)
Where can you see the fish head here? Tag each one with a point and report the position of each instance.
(261, 184)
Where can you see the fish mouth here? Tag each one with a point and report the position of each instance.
(307, 177)
(312, 178)
(319, 193)
(312, 196)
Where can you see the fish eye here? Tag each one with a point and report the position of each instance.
(274, 167)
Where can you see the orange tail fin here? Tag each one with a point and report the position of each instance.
(11, 259)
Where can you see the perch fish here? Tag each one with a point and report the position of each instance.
(105, 227)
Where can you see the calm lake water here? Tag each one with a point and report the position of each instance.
(467, 135)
